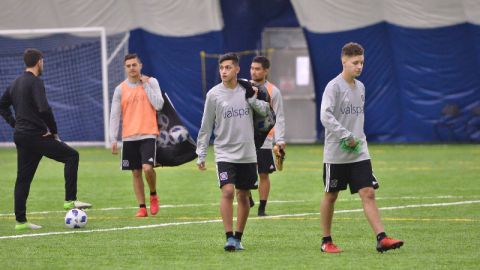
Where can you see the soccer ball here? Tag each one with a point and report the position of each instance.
(75, 218)
(178, 134)
(163, 121)
(163, 138)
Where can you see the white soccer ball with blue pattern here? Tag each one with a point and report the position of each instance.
(178, 134)
(163, 139)
(75, 218)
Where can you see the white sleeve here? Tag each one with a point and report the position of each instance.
(327, 116)
(115, 114)
(259, 106)
(277, 103)
(205, 132)
(154, 94)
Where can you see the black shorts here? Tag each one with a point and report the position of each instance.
(242, 175)
(265, 161)
(357, 175)
(136, 153)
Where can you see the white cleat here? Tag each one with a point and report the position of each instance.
(76, 204)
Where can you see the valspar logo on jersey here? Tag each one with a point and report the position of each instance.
(350, 109)
(231, 112)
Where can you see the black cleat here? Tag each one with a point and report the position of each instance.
(262, 214)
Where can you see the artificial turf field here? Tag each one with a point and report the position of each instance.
(429, 196)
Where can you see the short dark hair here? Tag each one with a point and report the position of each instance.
(262, 60)
(229, 56)
(31, 57)
(352, 49)
(131, 56)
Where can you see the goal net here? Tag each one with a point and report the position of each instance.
(82, 66)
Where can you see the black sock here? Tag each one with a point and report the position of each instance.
(327, 239)
(153, 193)
(229, 234)
(251, 201)
(263, 204)
(143, 206)
(381, 235)
(238, 235)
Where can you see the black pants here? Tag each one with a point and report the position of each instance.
(30, 150)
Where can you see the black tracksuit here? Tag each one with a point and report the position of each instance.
(33, 119)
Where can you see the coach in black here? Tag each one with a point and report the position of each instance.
(36, 136)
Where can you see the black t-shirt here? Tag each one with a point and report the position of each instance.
(33, 114)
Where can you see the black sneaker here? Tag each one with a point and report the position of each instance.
(262, 214)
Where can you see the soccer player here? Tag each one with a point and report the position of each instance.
(36, 136)
(228, 112)
(136, 102)
(346, 157)
(259, 71)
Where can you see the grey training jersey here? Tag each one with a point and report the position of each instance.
(342, 115)
(230, 116)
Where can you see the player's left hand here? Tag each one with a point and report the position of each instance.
(144, 78)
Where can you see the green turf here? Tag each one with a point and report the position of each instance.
(437, 237)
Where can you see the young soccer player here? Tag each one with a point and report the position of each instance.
(346, 157)
(136, 101)
(228, 112)
(259, 71)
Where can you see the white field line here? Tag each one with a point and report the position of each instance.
(135, 207)
(273, 201)
(219, 220)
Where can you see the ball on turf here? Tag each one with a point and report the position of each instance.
(75, 218)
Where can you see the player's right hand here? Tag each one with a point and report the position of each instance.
(352, 142)
(114, 148)
(144, 78)
(201, 165)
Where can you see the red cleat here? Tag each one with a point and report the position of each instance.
(388, 243)
(142, 212)
(154, 205)
(330, 247)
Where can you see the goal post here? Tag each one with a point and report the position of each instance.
(77, 77)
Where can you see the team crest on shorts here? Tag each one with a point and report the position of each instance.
(125, 163)
(223, 176)
(333, 183)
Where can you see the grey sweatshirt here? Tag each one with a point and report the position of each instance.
(342, 115)
(277, 104)
(152, 89)
(230, 116)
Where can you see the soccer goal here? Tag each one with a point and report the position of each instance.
(82, 66)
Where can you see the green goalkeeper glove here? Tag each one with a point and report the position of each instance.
(355, 149)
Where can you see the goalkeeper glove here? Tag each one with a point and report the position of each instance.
(344, 145)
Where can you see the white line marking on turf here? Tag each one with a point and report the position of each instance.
(219, 220)
(124, 208)
(273, 201)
